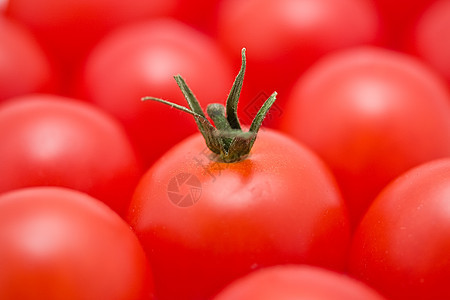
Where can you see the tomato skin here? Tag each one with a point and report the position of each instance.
(275, 206)
(370, 114)
(200, 14)
(69, 29)
(58, 243)
(53, 140)
(287, 282)
(140, 60)
(398, 17)
(402, 245)
(284, 37)
(425, 38)
(24, 68)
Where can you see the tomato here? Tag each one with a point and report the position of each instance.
(425, 39)
(24, 68)
(277, 206)
(68, 29)
(370, 114)
(62, 244)
(140, 60)
(284, 37)
(402, 245)
(207, 214)
(287, 282)
(52, 140)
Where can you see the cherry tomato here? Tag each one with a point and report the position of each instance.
(402, 246)
(52, 140)
(140, 60)
(68, 29)
(279, 205)
(63, 244)
(219, 204)
(288, 282)
(425, 39)
(24, 68)
(284, 37)
(370, 114)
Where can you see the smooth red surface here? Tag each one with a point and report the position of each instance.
(427, 38)
(52, 140)
(62, 244)
(279, 205)
(24, 67)
(289, 282)
(69, 29)
(402, 245)
(398, 18)
(370, 114)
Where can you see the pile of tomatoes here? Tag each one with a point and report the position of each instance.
(345, 193)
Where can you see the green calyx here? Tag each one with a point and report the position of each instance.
(226, 138)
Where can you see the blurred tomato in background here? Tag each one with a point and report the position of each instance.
(68, 29)
(398, 16)
(140, 60)
(371, 114)
(24, 66)
(199, 14)
(428, 37)
(50, 140)
(284, 37)
(58, 243)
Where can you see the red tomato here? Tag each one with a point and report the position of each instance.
(426, 40)
(24, 68)
(68, 29)
(62, 244)
(284, 37)
(141, 60)
(371, 114)
(279, 205)
(402, 246)
(288, 282)
(52, 140)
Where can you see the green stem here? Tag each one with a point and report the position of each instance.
(233, 96)
(216, 112)
(226, 139)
